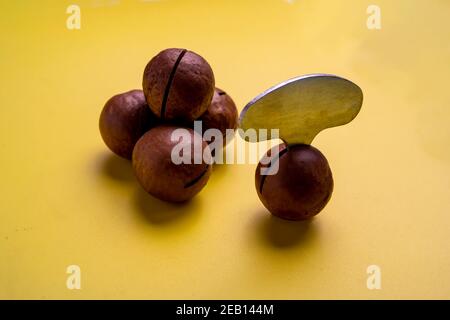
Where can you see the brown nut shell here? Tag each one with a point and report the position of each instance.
(178, 84)
(159, 175)
(222, 114)
(123, 120)
(302, 186)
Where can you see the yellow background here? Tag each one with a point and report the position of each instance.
(65, 199)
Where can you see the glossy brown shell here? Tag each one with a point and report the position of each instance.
(178, 84)
(123, 120)
(156, 172)
(302, 186)
(222, 114)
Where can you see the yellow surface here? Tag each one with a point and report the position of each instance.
(66, 200)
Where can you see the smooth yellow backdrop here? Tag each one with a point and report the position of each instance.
(65, 199)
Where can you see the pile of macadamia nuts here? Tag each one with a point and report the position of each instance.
(178, 89)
